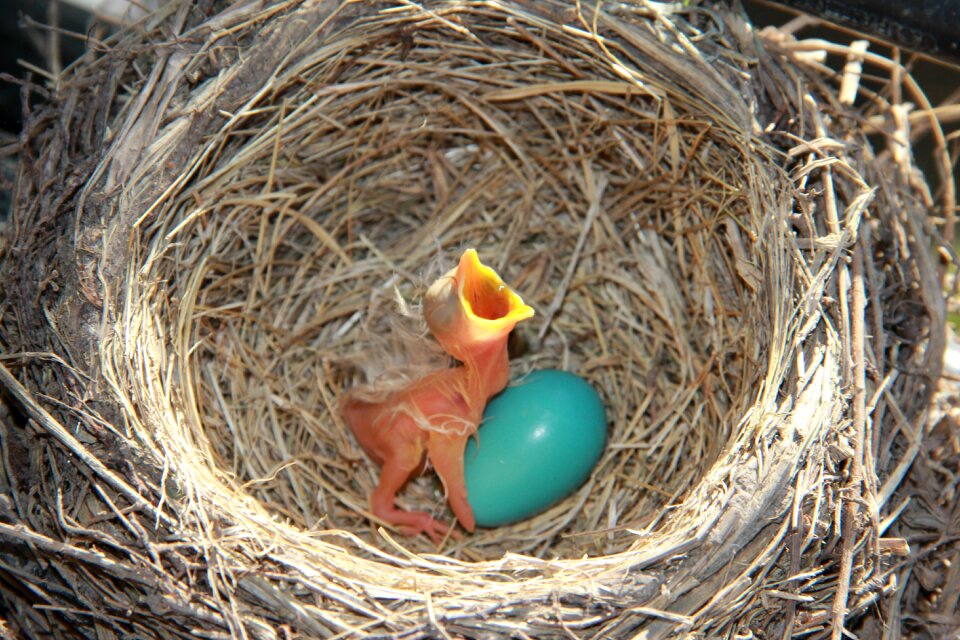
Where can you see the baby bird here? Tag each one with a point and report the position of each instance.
(470, 311)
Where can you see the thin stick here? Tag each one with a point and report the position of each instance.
(855, 482)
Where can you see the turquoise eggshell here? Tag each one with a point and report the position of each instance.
(539, 440)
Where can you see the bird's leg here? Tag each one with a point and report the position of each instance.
(445, 451)
(395, 473)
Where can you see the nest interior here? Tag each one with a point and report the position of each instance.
(695, 214)
(278, 266)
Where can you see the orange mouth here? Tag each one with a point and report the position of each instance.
(489, 304)
(481, 308)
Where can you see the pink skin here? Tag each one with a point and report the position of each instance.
(471, 313)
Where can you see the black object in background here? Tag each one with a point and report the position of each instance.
(926, 26)
(17, 43)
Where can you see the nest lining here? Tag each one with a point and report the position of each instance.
(287, 257)
(706, 301)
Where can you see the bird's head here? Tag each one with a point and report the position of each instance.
(470, 306)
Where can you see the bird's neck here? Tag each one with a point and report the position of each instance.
(487, 369)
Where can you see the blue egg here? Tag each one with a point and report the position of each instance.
(539, 440)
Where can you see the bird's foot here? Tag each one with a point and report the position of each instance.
(411, 523)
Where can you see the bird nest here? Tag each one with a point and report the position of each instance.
(228, 215)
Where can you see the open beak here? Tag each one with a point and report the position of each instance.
(471, 304)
